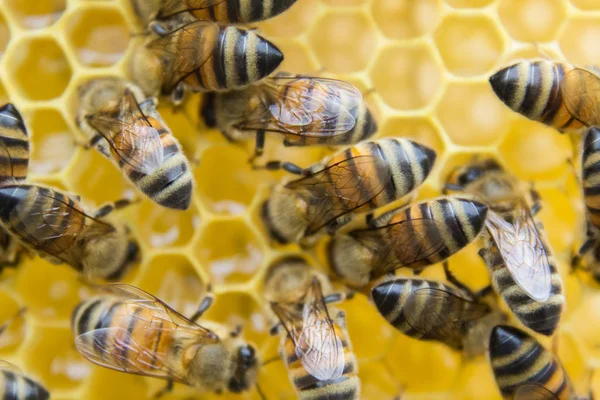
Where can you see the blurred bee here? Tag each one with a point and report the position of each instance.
(224, 11)
(200, 56)
(535, 90)
(523, 270)
(524, 370)
(358, 179)
(136, 139)
(129, 330)
(315, 348)
(305, 110)
(428, 310)
(51, 223)
(413, 237)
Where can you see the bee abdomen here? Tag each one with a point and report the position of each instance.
(243, 11)
(14, 137)
(518, 359)
(533, 90)
(591, 175)
(345, 388)
(540, 316)
(18, 387)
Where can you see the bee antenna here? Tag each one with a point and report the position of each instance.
(260, 392)
(18, 314)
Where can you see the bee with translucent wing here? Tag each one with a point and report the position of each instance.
(126, 329)
(54, 224)
(522, 267)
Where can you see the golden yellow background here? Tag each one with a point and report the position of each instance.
(428, 62)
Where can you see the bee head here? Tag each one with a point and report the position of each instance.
(466, 175)
(246, 366)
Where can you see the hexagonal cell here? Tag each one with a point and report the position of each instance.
(234, 309)
(472, 115)
(37, 14)
(298, 58)
(586, 4)
(16, 325)
(98, 35)
(50, 291)
(96, 179)
(51, 355)
(527, 146)
(469, 44)
(532, 20)
(108, 384)
(343, 53)
(421, 130)
(559, 218)
(162, 227)
(405, 19)
(441, 363)
(371, 335)
(476, 381)
(468, 3)
(4, 34)
(173, 279)
(39, 68)
(242, 180)
(295, 21)
(577, 40)
(53, 143)
(229, 251)
(414, 72)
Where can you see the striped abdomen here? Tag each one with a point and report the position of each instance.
(135, 323)
(15, 386)
(14, 155)
(590, 174)
(533, 89)
(243, 11)
(239, 58)
(346, 387)
(517, 359)
(540, 316)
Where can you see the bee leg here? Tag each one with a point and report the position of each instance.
(237, 331)
(5, 325)
(274, 331)
(90, 143)
(537, 201)
(454, 280)
(259, 148)
(205, 304)
(583, 250)
(338, 297)
(483, 292)
(166, 390)
(158, 29)
(286, 166)
(340, 318)
(177, 96)
(110, 207)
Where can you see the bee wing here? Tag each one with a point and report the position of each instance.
(172, 7)
(317, 345)
(14, 145)
(5, 365)
(304, 106)
(184, 50)
(523, 251)
(581, 94)
(54, 229)
(134, 140)
(534, 391)
(402, 244)
(441, 314)
(159, 308)
(350, 177)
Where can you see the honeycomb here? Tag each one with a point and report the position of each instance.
(427, 62)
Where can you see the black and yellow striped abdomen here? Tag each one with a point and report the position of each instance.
(533, 89)
(239, 58)
(540, 316)
(14, 140)
(15, 386)
(590, 175)
(346, 387)
(518, 359)
(243, 11)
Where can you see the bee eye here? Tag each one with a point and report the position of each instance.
(247, 354)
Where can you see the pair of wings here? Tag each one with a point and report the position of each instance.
(131, 136)
(534, 391)
(170, 8)
(581, 94)
(312, 331)
(523, 251)
(441, 314)
(116, 349)
(336, 190)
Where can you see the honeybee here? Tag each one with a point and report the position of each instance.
(354, 180)
(414, 237)
(428, 310)
(54, 224)
(305, 110)
(315, 348)
(200, 56)
(524, 369)
(136, 139)
(522, 267)
(242, 11)
(129, 330)
(535, 90)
